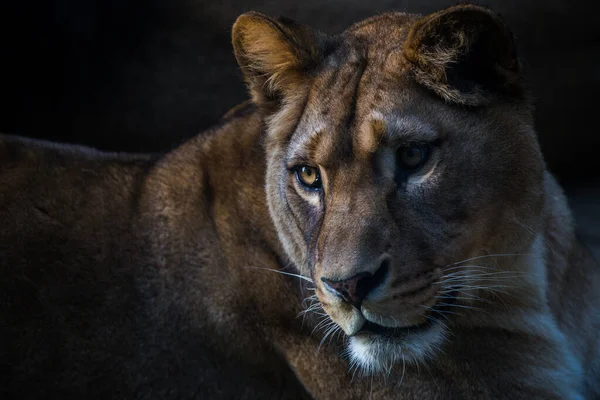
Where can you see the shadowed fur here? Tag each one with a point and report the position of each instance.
(184, 275)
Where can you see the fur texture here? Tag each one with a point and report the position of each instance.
(183, 275)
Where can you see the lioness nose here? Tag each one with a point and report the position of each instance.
(354, 290)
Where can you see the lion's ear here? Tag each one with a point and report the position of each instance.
(465, 54)
(275, 55)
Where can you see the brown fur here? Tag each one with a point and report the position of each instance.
(155, 276)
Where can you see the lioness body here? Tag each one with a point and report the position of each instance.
(120, 282)
(148, 277)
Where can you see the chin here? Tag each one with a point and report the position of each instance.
(378, 352)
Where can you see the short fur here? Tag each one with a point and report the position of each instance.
(157, 276)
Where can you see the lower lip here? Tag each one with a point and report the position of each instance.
(370, 328)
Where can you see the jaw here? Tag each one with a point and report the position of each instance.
(377, 353)
(373, 353)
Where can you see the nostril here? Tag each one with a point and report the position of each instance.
(355, 289)
(348, 289)
(372, 282)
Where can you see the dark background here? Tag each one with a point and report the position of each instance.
(143, 75)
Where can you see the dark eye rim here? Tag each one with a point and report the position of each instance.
(317, 185)
(426, 151)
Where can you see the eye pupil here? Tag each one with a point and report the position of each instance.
(308, 177)
(413, 156)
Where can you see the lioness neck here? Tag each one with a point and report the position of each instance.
(219, 177)
(573, 279)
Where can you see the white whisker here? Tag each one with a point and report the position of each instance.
(460, 306)
(325, 323)
(284, 273)
(330, 330)
(522, 225)
(447, 312)
(488, 256)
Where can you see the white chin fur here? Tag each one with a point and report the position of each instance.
(375, 354)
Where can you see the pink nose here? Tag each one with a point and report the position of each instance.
(354, 290)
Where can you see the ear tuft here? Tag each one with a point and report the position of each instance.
(465, 54)
(275, 55)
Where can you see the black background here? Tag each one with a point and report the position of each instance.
(144, 75)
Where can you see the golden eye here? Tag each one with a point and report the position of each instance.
(309, 177)
(412, 156)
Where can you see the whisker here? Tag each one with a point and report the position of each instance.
(313, 306)
(340, 333)
(522, 225)
(284, 273)
(465, 266)
(440, 312)
(480, 279)
(472, 297)
(403, 366)
(475, 279)
(480, 270)
(495, 292)
(308, 310)
(475, 272)
(332, 336)
(490, 255)
(324, 324)
(461, 306)
(353, 365)
(310, 301)
(329, 332)
(480, 287)
(437, 321)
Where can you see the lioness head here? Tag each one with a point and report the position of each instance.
(404, 176)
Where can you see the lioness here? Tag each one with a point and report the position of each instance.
(387, 181)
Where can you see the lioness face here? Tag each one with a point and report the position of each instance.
(394, 161)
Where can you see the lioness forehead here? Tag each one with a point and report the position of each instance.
(334, 145)
(385, 31)
(355, 117)
(358, 99)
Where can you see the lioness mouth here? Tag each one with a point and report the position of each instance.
(370, 328)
